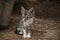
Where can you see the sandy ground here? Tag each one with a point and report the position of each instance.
(42, 29)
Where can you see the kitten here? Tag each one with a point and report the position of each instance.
(23, 27)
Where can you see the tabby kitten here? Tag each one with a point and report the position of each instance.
(24, 26)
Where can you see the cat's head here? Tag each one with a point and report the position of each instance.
(27, 13)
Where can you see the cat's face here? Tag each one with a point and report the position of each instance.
(27, 14)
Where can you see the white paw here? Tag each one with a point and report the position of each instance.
(20, 32)
(24, 36)
(29, 35)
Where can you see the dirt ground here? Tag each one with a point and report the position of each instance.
(42, 29)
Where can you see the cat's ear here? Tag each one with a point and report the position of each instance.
(22, 10)
(30, 10)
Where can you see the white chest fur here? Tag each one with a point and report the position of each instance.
(28, 22)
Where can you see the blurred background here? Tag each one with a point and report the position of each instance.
(46, 24)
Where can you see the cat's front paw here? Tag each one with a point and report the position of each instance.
(24, 36)
(29, 35)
